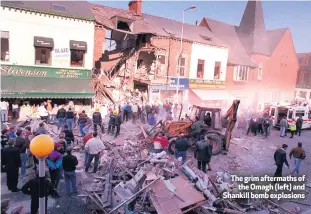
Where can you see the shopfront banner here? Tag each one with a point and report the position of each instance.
(173, 82)
(199, 83)
(29, 71)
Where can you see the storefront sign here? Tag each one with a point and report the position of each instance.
(15, 70)
(303, 86)
(173, 82)
(198, 83)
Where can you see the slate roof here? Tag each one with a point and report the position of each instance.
(74, 9)
(250, 37)
(158, 26)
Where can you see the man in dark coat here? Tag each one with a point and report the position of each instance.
(299, 125)
(31, 188)
(203, 153)
(117, 122)
(11, 161)
(97, 120)
(111, 123)
(280, 159)
(69, 137)
(20, 144)
(61, 116)
(82, 122)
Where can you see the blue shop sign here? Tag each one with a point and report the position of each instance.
(183, 85)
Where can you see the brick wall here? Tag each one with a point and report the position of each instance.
(99, 42)
(174, 46)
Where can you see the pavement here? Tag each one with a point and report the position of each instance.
(248, 155)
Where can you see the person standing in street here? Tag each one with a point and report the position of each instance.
(299, 123)
(126, 111)
(82, 122)
(69, 137)
(69, 165)
(181, 147)
(69, 118)
(280, 159)
(197, 127)
(299, 154)
(41, 129)
(4, 138)
(15, 111)
(11, 161)
(43, 112)
(134, 113)
(61, 116)
(20, 144)
(111, 123)
(118, 122)
(12, 132)
(54, 162)
(86, 138)
(4, 111)
(31, 188)
(93, 147)
(283, 127)
(292, 129)
(266, 125)
(203, 153)
(97, 120)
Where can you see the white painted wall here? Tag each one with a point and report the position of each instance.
(23, 26)
(210, 55)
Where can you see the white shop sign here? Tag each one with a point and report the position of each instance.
(61, 56)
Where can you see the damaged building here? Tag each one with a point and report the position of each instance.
(140, 51)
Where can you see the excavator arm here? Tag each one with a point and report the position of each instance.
(231, 116)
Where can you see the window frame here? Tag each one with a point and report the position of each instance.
(8, 50)
(200, 62)
(77, 66)
(50, 55)
(181, 66)
(219, 69)
(259, 72)
(236, 73)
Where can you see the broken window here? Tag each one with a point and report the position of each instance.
(200, 69)
(139, 62)
(240, 73)
(123, 26)
(160, 65)
(300, 79)
(182, 66)
(217, 70)
(77, 58)
(302, 94)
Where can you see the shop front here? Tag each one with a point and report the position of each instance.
(169, 91)
(31, 85)
(208, 93)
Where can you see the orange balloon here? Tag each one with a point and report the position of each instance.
(41, 146)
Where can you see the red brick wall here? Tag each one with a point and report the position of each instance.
(99, 42)
(279, 74)
(164, 43)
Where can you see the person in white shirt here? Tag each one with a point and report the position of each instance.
(134, 113)
(93, 147)
(4, 111)
(43, 112)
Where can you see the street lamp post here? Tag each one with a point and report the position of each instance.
(41, 146)
(180, 52)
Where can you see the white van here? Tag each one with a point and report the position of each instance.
(292, 113)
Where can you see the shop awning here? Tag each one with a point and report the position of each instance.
(206, 95)
(78, 45)
(43, 42)
(38, 87)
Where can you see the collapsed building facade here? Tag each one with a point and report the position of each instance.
(140, 51)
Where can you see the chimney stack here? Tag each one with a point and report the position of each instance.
(135, 5)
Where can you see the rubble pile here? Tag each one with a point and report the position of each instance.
(133, 180)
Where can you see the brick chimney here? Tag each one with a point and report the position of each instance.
(135, 5)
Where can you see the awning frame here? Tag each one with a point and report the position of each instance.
(78, 45)
(43, 42)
